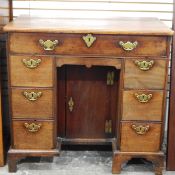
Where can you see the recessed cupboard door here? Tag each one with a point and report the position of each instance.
(91, 102)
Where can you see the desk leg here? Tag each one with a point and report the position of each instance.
(119, 158)
(14, 155)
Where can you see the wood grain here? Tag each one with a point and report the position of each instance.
(23, 139)
(137, 26)
(28, 43)
(134, 78)
(41, 76)
(23, 108)
(134, 110)
(61, 102)
(131, 141)
(88, 61)
(94, 102)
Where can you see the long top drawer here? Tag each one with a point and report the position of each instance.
(95, 44)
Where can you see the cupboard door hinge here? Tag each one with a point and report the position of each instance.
(110, 78)
(108, 126)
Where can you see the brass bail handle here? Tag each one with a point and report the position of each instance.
(32, 96)
(48, 45)
(128, 46)
(144, 65)
(31, 63)
(140, 129)
(32, 127)
(143, 98)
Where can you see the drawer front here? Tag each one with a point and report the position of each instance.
(28, 43)
(142, 105)
(32, 103)
(145, 74)
(33, 71)
(140, 137)
(33, 134)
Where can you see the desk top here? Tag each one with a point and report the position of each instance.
(120, 26)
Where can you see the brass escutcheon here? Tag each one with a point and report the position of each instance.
(32, 127)
(32, 96)
(140, 129)
(31, 63)
(143, 98)
(144, 65)
(89, 39)
(128, 46)
(48, 44)
(71, 104)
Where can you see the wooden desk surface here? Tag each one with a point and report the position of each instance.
(120, 26)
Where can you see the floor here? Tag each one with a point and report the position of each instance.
(79, 163)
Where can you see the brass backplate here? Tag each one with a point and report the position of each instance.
(89, 39)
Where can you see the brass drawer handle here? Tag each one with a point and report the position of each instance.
(71, 104)
(143, 98)
(32, 96)
(32, 127)
(31, 63)
(89, 39)
(144, 65)
(48, 44)
(140, 129)
(128, 46)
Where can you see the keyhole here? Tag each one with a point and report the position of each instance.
(89, 39)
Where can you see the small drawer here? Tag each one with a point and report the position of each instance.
(33, 71)
(140, 137)
(33, 134)
(142, 105)
(32, 103)
(123, 46)
(145, 74)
